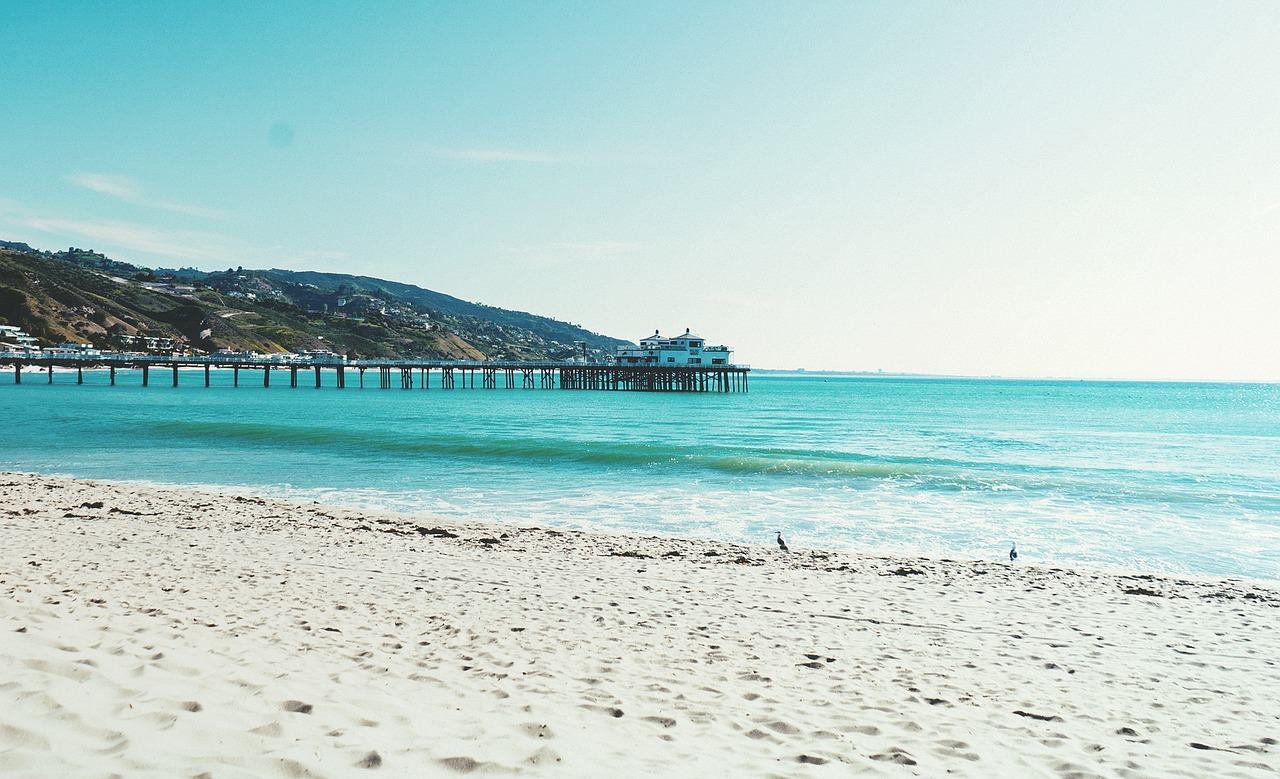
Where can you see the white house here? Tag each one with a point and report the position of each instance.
(13, 338)
(686, 349)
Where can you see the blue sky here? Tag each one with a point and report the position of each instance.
(1030, 189)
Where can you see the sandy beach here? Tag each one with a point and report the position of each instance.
(161, 632)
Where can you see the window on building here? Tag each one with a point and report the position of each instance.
(671, 359)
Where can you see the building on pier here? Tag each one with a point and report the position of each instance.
(683, 350)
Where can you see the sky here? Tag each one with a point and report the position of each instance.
(1067, 189)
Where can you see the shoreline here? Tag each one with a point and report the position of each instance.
(307, 496)
(170, 630)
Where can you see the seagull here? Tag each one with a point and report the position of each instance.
(782, 544)
(1013, 553)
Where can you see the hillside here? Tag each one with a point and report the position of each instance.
(82, 296)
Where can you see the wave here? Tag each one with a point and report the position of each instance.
(757, 461)
(824, 468)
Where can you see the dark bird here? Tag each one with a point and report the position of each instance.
(1013, 553)
(782, 544)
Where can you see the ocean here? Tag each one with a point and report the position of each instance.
(1173, 478)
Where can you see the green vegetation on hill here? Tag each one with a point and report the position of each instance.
(82, 296)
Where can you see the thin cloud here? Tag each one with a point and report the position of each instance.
(499, 155)
(572, 252)
(209, 249)
(120, 187)
(599, 248)
(126, 189)
(170, 244)
(123, 240)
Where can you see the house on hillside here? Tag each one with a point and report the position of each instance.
(686, 349)
(14, 339)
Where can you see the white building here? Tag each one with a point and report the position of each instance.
(66, 351)
(13, 339)
(687, 349)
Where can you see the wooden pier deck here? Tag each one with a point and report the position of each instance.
(402, 374)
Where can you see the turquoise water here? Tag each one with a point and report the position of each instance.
(1175, 478)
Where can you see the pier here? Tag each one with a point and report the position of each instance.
(398, 374)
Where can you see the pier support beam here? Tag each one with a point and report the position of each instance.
(175, 375)
(317, 377)
(293, 376)
(235, 376)
(50, 373)
(113, 375)
(146, 371)
(79, 374)
(266, 376)
(206, 375)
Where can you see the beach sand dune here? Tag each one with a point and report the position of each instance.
(158, 632)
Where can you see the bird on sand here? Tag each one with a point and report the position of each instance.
(1013, 553)
(782, 544)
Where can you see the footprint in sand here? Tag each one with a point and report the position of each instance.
(895, 755)
(465, 765)
(12, 737)
(536, 730)
(271, 730)
(756, 734)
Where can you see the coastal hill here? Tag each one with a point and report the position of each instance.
(82, 296)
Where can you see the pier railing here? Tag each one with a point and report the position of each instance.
(452, 374)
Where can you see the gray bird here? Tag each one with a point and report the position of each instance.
(782, 544)
(1013, 553)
